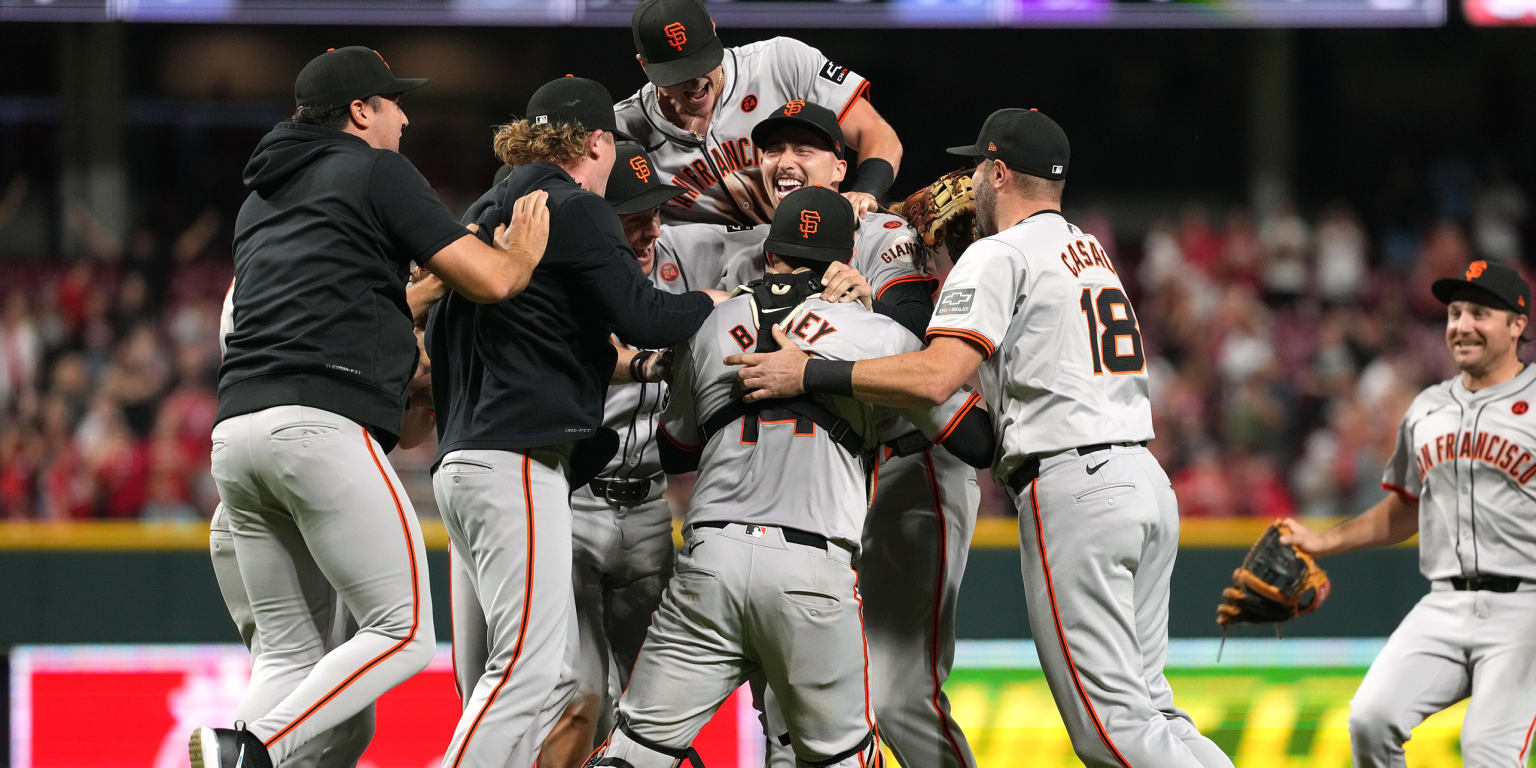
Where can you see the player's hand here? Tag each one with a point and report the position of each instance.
(772, 374)
(717, 296)
(1302, 537)
(529, 230)
(844, 283)
(863, 203)
(657, 367)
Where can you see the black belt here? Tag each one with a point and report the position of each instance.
(621, 490)
(1030, 469)
(909, 444)
(1485, 584)
(792, 535)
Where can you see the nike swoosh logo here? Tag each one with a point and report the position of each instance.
(1098, 467)
(779, 309)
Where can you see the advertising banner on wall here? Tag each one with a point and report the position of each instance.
(1263, 704)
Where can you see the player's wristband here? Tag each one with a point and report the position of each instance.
(832, 377)
(637, 365)
(876, 175)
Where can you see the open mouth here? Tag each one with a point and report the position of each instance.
(785, 185)
(696, 96)
(1466, 345)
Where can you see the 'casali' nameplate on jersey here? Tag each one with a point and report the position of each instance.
(956, 301)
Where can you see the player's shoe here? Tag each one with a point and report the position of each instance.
(227, 748)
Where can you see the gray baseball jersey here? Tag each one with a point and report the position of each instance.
(1098, 521)
(1065, 364)
(742, 468)
(1468, 459)
(884, 252)
(720, 168)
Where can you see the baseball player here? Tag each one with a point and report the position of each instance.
(519, 387)
(1038, 307)
(621, 526)
(342, 745)
(311, 396)
(923, 504)
(765, 581)
(1460, 478)
(695, 116)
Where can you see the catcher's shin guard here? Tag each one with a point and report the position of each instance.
(626, 749)
(866, 754)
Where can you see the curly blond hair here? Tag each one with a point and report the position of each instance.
(521, 142)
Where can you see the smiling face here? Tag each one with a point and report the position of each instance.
(642, 230)
(1481, 339)
(696, 97)
(794, 158)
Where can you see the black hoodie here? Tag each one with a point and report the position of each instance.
(323, 247)
(532, 371)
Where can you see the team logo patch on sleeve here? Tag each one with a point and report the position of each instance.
(956, 301)
(835, 72)
(669, 272)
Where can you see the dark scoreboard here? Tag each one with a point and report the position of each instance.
(761, 13)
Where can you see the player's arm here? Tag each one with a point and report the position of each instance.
(638, 312)
(960, 425)
(637, 366)
(1391, 520)
(679, 440)
(420, 418)
(879, 155)
(485, 274)
(926, 377)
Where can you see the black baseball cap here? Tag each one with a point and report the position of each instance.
(1487, 283)
(812, 223)
(1025, 139)
(576, 100)
(812, 117)
(633, 184)
(677, 39)
(340, 75)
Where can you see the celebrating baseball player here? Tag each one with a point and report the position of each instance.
(1038, 307)
(765, 580)
(1460, 478)
(519, 387)
(621, 526)
(923, 509)
(696, 114)
(311, 396)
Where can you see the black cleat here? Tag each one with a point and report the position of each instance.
(227, 748)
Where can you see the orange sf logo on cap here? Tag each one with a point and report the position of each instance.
(808, 222)
(677, 35)
(793, 108)
(1475, 269)
(641, 167)
(381, 58)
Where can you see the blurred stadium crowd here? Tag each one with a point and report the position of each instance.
(1283, 347)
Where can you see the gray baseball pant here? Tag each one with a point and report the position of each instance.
(917, 538)
(340, 747)
(622, 559)
(743, 599)
(314, 506)
(508, 516)
(470, 651)
(1453, 645)
(1097, 549)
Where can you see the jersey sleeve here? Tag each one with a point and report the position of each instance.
(977, 301)
(701, 251)
(889, 257)
(416, 220)
(1402, 472)
(811, 76)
